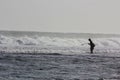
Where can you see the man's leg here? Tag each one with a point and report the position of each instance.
(91, 49)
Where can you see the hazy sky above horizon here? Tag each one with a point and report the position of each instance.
(88, 16)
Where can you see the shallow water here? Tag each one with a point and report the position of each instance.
(58, 67)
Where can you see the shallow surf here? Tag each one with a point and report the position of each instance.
(14, 66)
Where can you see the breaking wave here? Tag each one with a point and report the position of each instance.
(56, 41)
(56, 44)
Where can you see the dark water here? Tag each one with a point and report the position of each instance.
(58, 67)
(56, 34)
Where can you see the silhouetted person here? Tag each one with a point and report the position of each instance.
(92, 45)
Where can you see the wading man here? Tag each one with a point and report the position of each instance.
(92, 45)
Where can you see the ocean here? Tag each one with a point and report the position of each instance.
(58, 56)
(49, 42)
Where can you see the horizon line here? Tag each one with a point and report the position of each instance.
(62, 32)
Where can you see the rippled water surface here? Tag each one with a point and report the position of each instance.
(58, 67)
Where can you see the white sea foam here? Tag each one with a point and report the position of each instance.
(60, 42)
(57, 44)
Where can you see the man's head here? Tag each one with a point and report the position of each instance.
(89, 39)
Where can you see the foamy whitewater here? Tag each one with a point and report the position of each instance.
(58, 56)
(65, 43)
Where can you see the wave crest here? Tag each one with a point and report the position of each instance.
(60, 42)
